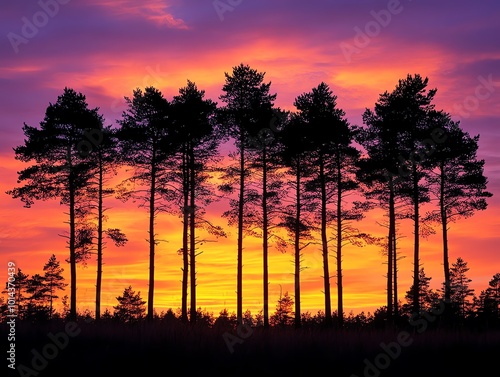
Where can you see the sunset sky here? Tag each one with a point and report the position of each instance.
(105, 49)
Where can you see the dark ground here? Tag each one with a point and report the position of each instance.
(111, 349)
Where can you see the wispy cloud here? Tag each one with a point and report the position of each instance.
(156, 11)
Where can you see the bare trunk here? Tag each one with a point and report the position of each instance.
(192, 238)
(51, 298)
(297, 245)
(444, 223)
(265, 246)
(72, 251)
(340, 297)
(152, 193)
(239, 283)
(390, 251)
(185, 246)
(99, 241)
(324, 242)
(416, 260)
(395, 263)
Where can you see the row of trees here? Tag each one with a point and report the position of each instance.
(464, 305)
(35, 297)
(294, 179)
(463, 302)
(131, 309)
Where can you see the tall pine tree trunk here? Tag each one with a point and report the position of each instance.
(265, 246)
(324, 243)
(297, 245)
(444, 224)
(185, 245)
(416, 257)
(100, 216)
(395, 267)
(239, 283)
(72, 251)
(340, 294)
(51, 298)
(152, 193)
(192, 237)
(390, 251)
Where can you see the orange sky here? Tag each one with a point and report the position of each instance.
(165, 43)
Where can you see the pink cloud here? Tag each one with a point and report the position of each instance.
(153, 10)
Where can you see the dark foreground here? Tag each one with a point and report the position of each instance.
(111, 349)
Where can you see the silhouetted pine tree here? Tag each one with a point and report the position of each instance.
(4, 309)
(334, 160)
(131, 307)
(266, 188)
(197, 140)
(20, 284)
(397, 165)
(53, 280)
(410, 106)
(245, 97)
(457, 182)
(460, 292)
(145, 144)
(426, 295)
(284, 315)
(296, 216)
(59, 149)
(37, 308)
(104, 161)
(379, 183)
(493, 295)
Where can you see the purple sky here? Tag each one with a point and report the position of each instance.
(105, 49)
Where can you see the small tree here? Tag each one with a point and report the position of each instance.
(284, 315)
(65, 309)
(492, 296)
(459, 288)
(107, 316)
(53, 281)
(4, 310)
(425, 294)
(37, 301)
(259, 319)
(20, 285)
(203, 317)
(131, 307)
(225, 320)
